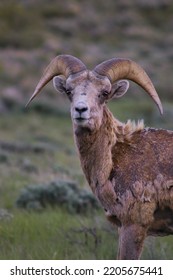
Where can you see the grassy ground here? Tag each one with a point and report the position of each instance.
(56, 235)
(41, 149)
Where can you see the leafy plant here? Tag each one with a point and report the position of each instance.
(58, 193)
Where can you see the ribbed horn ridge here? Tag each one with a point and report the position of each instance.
(60, 65)
(119, 68)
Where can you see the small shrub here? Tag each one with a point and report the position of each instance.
(3, 158)
(57, 193)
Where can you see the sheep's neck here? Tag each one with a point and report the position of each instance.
(95, 151)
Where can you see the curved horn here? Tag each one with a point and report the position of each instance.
(60, 65)
(119, 68)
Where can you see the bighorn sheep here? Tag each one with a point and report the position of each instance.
(128, 167)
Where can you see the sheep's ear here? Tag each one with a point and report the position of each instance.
(59, 84)
(119, 88)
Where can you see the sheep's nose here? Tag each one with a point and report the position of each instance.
(81, 108)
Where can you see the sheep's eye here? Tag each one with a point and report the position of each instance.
(105, 93)
(68, 92)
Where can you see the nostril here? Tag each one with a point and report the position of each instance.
(81, 109)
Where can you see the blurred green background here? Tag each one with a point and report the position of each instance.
(36, 144)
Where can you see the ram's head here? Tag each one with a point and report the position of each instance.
(88, 91)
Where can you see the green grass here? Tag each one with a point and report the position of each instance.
(55, 234)
(42, 150)
(65, 236)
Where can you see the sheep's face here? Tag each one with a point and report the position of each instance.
(88, 93)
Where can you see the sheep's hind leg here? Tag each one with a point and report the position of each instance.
(131, 239)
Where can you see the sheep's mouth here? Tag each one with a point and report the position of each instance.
(81, 120)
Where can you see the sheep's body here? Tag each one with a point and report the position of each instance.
(128, 167)
(142, 178)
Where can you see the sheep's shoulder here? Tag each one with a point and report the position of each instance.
(141, 158)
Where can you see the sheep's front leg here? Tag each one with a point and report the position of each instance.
(131, 239)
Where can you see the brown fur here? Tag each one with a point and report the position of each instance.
(129, 169)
